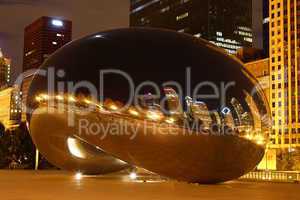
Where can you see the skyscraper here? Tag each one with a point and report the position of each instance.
(4, 70)
(42, 38)
(226, 23)
(284, 70)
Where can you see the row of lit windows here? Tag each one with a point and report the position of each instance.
(286, 141)
(286, 131)
(182, 16)
(273, 14)
(281, 114)
(278, 59)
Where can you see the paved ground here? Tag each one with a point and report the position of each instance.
(21, 185)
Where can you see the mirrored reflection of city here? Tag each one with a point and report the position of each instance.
(226, 112)
(149, 99)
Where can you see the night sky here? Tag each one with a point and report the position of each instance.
(88, 16)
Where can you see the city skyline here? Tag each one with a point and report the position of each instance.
(150, 99)
(87, 19)
(230, 25)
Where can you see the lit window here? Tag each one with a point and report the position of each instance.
(165, 9)
(180, 17)
(56, 22)
(198, 35)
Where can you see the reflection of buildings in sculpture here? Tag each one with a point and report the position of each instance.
(201, 113)
(149, 101)
(10, 109)
(228, 120)
(24, 85)
(257, 121)
(238, 110)
(173, 102)
(216, 119)
(5, 70)
(243, 118)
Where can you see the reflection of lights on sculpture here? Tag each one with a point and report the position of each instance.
(170, 120)
(133, 112)
(260, 140)
(153, 115)
(38, 98)
(59, 97)
(98, 36)
(248, 137)
(87, 101)
(133, 176)
(100, 107)
(74, 148)
(113, 107)
(72, 99)
(78, 176)
(44, 96)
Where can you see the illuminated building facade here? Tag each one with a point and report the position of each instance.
(42, 38)
(284, 70)
(4, 70)
(228, 24)
(260, 70)
(10, 109)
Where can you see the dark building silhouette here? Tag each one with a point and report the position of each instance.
(42, 38)
(230, 24)
(250, 54)
(266, 23)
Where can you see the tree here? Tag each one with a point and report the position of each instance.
(4, 147)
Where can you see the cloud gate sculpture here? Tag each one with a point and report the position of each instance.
(163, 101)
